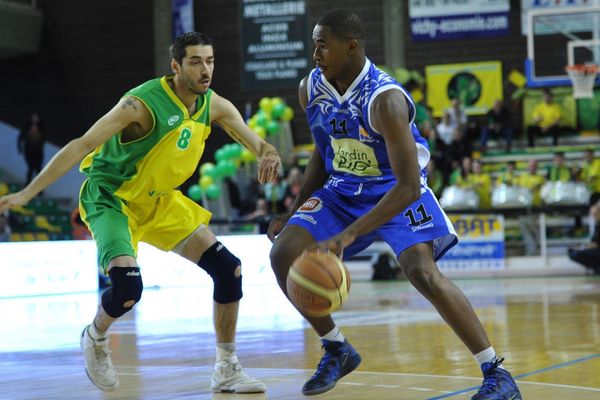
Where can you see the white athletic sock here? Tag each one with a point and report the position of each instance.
(334, 335)
(95, 333)
(487, 355)
(225, 350)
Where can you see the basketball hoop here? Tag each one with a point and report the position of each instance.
(583, 77)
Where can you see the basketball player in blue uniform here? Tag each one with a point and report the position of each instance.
(365, 180)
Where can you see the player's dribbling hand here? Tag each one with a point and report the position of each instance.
(337, 243)
(268, 166)
(276, 225)
(13, 200)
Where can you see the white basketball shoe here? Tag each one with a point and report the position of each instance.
(229, 377)
(98, 365)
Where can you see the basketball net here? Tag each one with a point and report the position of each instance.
(583, 77)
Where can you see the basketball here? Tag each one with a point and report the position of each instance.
(318, 283)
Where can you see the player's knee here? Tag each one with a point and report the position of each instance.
(225, 269)
(281, 259)
(126, 290)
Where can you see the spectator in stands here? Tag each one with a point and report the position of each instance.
(274, 193)
(546, 119)
(588, 254)
(460, 147)
(445, 129)
(508, 176)
(533, 181)
(260, 215)
(459, 174)
(31, 145)
(428, 132)
(559, 171)
(458, 118)
(435, 178)
(4, 227)
(590, 171)
(235, 198)
(294, 183)
(498, 124)
(481, 182)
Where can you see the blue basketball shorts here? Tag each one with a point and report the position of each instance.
(326, 213)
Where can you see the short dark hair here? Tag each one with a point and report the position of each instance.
(184, 40)
(344, 23)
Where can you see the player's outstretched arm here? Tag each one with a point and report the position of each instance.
(226, 115)
(127, 111)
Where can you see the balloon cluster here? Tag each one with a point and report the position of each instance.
(228, 160)
(271, 110)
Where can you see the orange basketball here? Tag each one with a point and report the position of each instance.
(318, 283)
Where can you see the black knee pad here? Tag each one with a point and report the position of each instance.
(221, 265)
(126, 286)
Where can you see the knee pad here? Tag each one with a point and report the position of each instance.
(126, 290)
(225, 270)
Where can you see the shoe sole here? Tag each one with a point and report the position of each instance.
(99, 386)
(327, 388)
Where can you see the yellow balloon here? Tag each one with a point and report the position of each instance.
(261, 132)
(288, 114)
(205, 181)
(252, 123)
(275, 101)
(247, 156)
(265, 104)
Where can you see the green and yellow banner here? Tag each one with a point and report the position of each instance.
(477, 85)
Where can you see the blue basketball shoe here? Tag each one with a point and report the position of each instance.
(338, 361)
(498, 383)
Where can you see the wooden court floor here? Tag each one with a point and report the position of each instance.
(548, 329)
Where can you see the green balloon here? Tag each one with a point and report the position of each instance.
(195, 192)
(226, 168)
(221, 155)
(262, 119)
(236, 150)
(278, 110)
(273, 127)
(213, 191)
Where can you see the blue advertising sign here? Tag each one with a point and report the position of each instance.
(480, 243)
(452, 19)
(183, 16)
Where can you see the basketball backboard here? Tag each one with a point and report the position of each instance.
(557, 37)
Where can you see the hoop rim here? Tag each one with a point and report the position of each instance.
(583, 68)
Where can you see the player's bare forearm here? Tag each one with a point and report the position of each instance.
(59, 165)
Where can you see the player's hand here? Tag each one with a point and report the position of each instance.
(276, 225)
(268, 166)
(13, 200)
(337, 243)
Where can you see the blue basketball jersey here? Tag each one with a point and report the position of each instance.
(354, 153)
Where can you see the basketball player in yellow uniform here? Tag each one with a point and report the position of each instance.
(135, 157)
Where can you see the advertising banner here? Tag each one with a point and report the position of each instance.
(453, 19)
(477, 85)
(480, 243)
(183, 16)
(275, 44)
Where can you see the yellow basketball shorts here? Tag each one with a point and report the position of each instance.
(118, 226)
